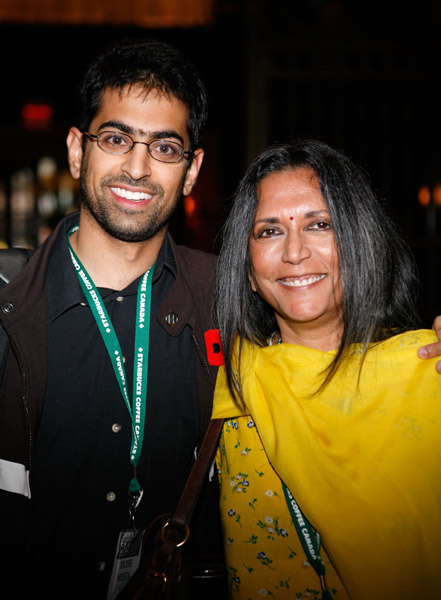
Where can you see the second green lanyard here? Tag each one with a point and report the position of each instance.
(310, 540)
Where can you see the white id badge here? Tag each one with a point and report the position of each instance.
(127, 557)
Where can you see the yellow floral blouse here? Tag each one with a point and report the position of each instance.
(264, 555)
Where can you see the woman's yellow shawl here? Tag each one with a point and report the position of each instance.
(362, 458)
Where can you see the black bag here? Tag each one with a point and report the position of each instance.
(164, 574)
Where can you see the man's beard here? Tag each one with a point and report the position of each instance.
(142, 227)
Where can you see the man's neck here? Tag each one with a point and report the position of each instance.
(110, 262)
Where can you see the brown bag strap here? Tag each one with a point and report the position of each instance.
(195, 480)
(151, 580)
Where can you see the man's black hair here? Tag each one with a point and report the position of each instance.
(154, 65)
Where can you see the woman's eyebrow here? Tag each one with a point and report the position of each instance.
(267, 220)
(316, 213)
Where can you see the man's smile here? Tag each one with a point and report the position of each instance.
(129, 195)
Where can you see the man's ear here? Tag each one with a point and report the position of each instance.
(193, 171)
(74, 142)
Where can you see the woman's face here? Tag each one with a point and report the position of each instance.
(294, 258)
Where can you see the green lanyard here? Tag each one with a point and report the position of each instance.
(310, 540)
(141, 355)
(309, 537)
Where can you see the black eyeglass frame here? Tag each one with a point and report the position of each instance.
(187, 154)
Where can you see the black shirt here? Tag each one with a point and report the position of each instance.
(82, 469)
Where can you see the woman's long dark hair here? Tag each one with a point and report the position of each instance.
(377, 269)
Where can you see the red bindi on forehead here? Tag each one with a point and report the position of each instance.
(291, 218)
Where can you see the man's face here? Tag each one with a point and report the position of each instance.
(132, 196)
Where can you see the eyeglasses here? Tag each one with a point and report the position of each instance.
(115, 142)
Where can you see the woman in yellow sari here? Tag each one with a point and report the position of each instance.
(330, 458)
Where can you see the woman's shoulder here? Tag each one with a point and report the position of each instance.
(408, 340)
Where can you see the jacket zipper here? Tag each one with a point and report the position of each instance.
(207, 369)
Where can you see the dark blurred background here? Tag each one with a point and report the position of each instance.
(361, 76)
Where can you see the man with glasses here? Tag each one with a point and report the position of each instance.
(107, 378)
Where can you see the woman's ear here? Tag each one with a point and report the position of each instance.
(252, 282)
(74, 142)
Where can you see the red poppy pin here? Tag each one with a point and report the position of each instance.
(215, 354)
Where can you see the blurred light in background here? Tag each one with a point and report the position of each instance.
(37, 117)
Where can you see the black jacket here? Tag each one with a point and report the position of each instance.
(23, 372)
